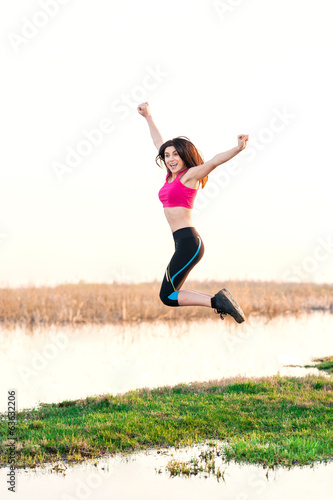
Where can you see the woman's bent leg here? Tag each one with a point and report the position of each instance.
(189, 249)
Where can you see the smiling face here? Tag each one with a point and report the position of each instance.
(172, 160)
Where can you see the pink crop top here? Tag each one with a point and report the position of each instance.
(176, 194)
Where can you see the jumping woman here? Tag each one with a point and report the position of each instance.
(186, 170)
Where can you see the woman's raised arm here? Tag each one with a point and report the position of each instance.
(144, 111)
(206, 168)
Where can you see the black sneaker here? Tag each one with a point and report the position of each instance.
(226, 304)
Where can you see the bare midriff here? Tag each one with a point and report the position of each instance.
(178, 217)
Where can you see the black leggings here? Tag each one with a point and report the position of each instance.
(189, 249)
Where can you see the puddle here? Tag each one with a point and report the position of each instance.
(136, 476)
(58, 363)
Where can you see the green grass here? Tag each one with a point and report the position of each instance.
(270, 421)
(325, 364)
(205, 463)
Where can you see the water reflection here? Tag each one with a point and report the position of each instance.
(59, 363)
(136, 476)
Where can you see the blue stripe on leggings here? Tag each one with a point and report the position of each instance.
(189, 262)
(173, 295)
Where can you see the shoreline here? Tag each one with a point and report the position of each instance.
(269, 420)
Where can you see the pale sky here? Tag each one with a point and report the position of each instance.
(210, 71)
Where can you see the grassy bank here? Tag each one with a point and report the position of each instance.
(272, 420)
(103, 303)
(325, 364)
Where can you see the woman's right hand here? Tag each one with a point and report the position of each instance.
(144, 109)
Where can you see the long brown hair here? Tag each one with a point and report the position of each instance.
(186, 150)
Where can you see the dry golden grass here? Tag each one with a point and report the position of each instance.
(112, 303)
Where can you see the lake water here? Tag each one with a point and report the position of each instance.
(59, 363)
(136, 476)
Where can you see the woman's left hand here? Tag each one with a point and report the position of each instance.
(242, 140)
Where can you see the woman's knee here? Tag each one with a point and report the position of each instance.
(169, 299)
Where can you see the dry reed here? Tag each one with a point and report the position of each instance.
(111, 303)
